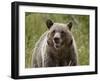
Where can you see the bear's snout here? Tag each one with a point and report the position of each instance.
(57, 38)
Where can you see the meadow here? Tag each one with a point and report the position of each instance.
(35, 26)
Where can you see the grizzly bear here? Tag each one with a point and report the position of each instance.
(56, 47)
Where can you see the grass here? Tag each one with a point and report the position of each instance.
(35, 26)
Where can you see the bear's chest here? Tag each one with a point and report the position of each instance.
(60, 58)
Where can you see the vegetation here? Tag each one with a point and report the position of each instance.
(35, 26)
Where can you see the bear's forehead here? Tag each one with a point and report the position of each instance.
(59, 26)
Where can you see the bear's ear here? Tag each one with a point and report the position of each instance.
(49, 23)
(69, 25)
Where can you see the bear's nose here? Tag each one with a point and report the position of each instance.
(56, 39)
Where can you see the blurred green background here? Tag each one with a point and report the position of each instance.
(35, 26)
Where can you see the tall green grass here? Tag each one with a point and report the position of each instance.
(35, 26)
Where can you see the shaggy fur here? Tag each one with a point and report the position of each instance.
(48, 53)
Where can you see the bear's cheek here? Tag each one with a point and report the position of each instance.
(63, 42)
(68, 42)
(50, 40)
(63, 38)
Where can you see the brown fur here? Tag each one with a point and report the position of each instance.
(46, 55)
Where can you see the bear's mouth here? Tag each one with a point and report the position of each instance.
(57, 43)
(57, 46)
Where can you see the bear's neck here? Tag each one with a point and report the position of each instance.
(58, 54)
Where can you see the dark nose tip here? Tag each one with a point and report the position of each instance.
(56, 40)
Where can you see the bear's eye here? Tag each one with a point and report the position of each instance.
(62, 32)
(53, 31)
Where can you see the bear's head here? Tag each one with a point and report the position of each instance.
(59, 35)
